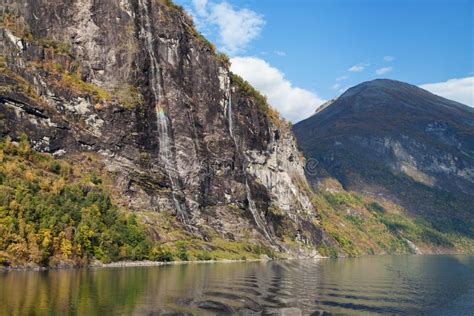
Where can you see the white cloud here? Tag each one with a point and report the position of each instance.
(342, 90)
(292, 102)
(460, 90)
(383, 70)
(279, 53)
(341, 78)
(200, 7)
(358, 67)
(236, 28)
(389, 58)
(336, 86)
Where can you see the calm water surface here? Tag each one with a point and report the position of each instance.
(434, 285)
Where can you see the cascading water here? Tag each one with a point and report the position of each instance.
(252, 206)
(145, 29)
(229, 117)
(254, 211)
(165, 153)
(166, 157)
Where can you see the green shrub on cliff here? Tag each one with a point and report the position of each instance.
(259, 99)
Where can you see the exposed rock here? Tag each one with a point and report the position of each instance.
(133, 82)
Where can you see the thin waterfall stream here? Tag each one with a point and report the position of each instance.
(252, 206)
(165, 153)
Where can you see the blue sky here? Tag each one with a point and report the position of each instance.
(303, 52)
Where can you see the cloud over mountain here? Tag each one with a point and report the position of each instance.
(458, 89)
(235, 28)
(292, 102)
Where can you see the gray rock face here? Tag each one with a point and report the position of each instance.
(134, 83)
(391, 139)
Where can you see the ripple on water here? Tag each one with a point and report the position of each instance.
(381, 285)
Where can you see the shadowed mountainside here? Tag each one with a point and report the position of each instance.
(394, 141)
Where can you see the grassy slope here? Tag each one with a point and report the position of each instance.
(413, 217)
(363, 225)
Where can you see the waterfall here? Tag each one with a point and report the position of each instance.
(146, 32)
(229, 116)
(251, 203)
(254, 211)
(165, 153)
(166, 157)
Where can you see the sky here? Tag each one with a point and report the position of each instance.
(301, 53)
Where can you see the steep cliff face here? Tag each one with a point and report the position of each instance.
(397, 142)
(134, 83)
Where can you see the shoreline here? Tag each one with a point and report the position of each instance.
(150, 263)
(144, 263)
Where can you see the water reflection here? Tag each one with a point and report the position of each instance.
(391, 284)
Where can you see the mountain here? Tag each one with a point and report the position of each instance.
(398, 143)
(135, 104)
(124, 136)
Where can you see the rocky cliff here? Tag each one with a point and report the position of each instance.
(133, 83)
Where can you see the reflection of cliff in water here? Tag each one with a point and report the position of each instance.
(390, 284)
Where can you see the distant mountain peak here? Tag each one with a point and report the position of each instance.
(382, 85)
(399, 143)
(393, 94)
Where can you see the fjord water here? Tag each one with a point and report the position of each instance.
(369, 285)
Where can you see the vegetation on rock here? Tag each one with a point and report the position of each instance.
(260, 99)
(55, 213)
(51, 213)
(361, 225)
